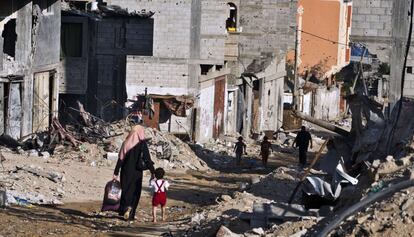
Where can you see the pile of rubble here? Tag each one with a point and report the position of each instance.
(169, 152)
(27, 185)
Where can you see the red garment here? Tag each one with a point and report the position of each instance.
(159, 198)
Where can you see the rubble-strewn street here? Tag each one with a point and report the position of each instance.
(207, 118)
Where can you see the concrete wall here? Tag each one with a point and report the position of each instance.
(47, 52)
(172, 27)
(74, 70)
(160, 76)
(100, 73)
(372, 25)
(266, 28)
(401, 24)
(271, 109)
(37, 49)
(206, 114)
(178, 23)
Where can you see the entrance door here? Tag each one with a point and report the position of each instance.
(219, 97)
(42, 101)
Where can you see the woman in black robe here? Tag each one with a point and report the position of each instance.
(133, 149)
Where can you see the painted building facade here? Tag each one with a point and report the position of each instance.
(324, 28)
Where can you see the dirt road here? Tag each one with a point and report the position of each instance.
(190, 193)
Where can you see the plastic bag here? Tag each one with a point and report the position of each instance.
(112, 196)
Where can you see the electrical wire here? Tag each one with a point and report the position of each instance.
(323, 38)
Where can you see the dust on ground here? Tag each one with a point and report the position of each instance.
(195, 196)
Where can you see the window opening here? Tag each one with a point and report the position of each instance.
(71, 40)
(410, 70)
(231, 23)
(10, 37)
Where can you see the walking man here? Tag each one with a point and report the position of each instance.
(302, 141)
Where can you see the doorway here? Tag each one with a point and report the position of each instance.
(44, 100)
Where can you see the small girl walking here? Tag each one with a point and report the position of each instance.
(159, 186)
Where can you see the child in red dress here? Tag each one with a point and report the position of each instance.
(159, 187)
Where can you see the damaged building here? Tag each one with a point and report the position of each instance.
(95, 43)
(29, 65)
(382, 27)
(216, 53)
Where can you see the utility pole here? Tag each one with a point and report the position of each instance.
(297, 58)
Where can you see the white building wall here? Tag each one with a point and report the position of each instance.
(326, 104)
(206, 105)
(160, 76)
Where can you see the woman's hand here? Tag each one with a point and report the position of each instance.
(115, 177)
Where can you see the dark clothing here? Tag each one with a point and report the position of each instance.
(302, 141)
(302, 156)
(240, 147)
(238, 157)
(131, 178)
(265, 151)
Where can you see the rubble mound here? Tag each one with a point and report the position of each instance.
(169, 152)
(271, 186)
(35, 185)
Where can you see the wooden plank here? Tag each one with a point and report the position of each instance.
(41, 102)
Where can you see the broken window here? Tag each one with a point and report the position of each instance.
(9, 38)
(45, 5)
(231, 23)
(71, 40)
(205, 68)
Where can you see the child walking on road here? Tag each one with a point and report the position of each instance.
(265, 147)
(239, 149)
(159, 186)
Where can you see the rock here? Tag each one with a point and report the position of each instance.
(255, 180)
(389, 159)
(198, 218)
(300, 233)
(376, 164)
(226, 197)
(407, 204)
(45, 154)
(405, 161)
(258, 231)
(225, 232)
(243, 186)
(33, 152)
(362, 219)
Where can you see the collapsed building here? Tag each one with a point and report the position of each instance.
(382, 27)
(29, 65)
(95, 44)
(228, 56)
